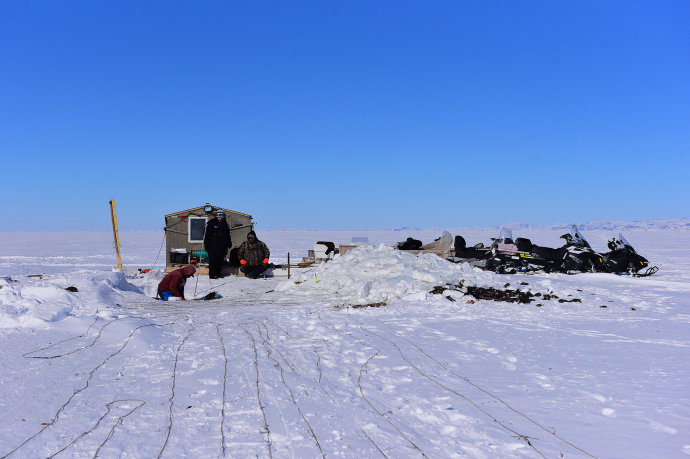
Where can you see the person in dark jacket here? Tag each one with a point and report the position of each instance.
(253, 255)
(173, 283)
(217, 242)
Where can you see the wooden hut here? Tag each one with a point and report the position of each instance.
(184, 236)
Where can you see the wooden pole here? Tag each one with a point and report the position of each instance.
(288, 265)
(113, 216)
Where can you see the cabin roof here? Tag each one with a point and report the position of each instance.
(227, 211)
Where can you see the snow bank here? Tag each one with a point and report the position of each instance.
(30, 305)
(371, 274)
(116, 280)
(110, 286)
(147, 283)
(35, 302)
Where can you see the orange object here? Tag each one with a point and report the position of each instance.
(243, 262)
(265, 261)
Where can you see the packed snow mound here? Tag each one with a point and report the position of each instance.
(29, 305)
(116, 280)
(147, 283)
(36, 302)
(112, 287)
(371, 274)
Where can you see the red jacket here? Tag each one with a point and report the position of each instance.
(175, 280)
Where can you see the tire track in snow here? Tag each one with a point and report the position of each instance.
(74, 349)
(392, 437)
(225, 380)
(262, 406)
(269, 352)
(244, 438)
(110, 412)
(388, 435)
(172, 390)
(56, 417)
(456, 378)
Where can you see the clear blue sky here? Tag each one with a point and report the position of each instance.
(344, 115)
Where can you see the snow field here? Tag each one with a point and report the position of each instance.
(275, 369)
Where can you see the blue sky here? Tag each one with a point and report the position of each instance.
(344, 115)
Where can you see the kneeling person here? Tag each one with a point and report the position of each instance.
(173, 283)
(253, 255)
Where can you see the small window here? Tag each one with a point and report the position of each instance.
(197, 226)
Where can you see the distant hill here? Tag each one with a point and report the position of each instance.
(670, 224)
(606, 225)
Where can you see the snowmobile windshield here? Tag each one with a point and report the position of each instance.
(578, 238)
(625, 242)
(506, 235)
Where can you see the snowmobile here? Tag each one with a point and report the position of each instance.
(623, 258)
(504, 253)
(579, 255)
(501, 256)
(575, 255)
(539, 258)
(462, 253)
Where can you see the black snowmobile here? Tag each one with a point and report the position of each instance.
(575, 255)
(505, 256)
(623, 258)
(462, 253)
(501, 256)
(539, 258)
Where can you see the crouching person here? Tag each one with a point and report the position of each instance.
(173, 283)
(253, 255)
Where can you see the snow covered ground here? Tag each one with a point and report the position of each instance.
(316, 366)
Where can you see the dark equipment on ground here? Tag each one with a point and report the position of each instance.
(508, 255)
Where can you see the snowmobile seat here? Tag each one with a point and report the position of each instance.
(523, 244)
(547, 253)
(462, 251)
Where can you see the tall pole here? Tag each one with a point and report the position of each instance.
(113, 216)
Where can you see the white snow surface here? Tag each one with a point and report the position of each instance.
(352, 358)
(371, 274)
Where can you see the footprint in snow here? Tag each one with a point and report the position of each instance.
(448, 430)
(598, 397)
(544, 382)
(490, 350)
(509, 362)
(659, 427)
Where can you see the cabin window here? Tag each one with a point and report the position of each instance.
(197, 226)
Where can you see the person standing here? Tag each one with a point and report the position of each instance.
(217, 242)
(253, 255)
(173, 283)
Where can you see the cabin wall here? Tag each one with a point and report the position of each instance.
(177, 230)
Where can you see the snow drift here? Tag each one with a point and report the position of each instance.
(371, 274)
